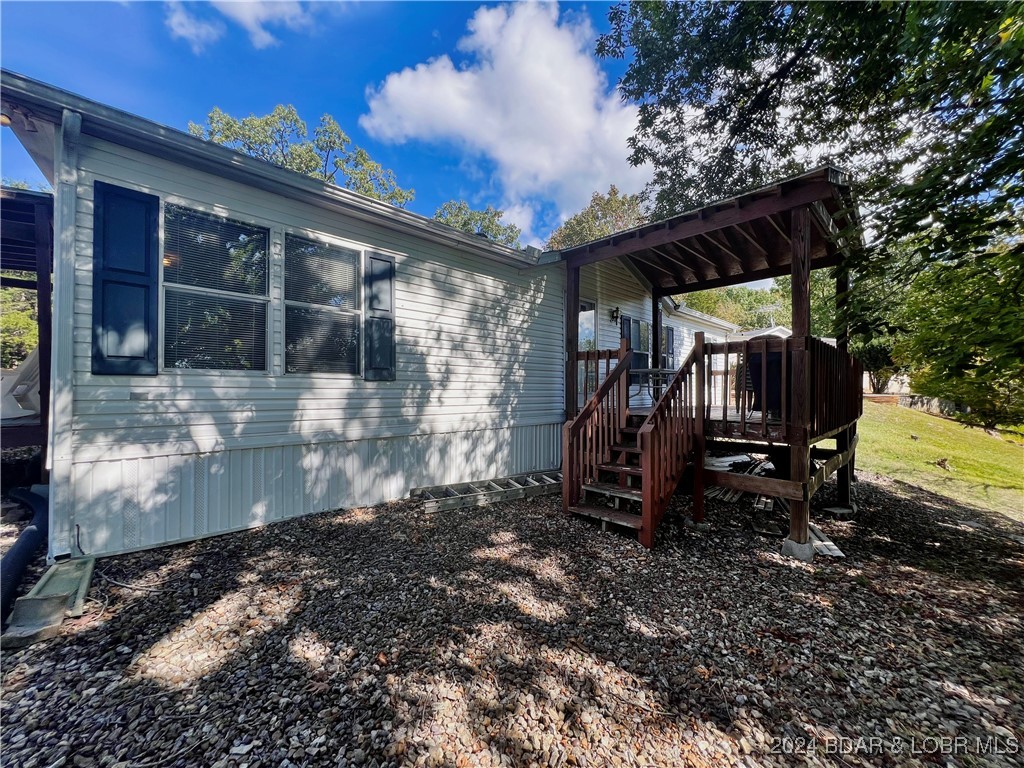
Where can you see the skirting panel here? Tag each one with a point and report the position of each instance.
(131, 504)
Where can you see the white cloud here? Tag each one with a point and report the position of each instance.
(196, 32)
(254, 16)
(531, 99)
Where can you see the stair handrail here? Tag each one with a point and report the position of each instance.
(666, 439)
(573, 457)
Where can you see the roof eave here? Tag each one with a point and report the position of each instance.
(47, 102)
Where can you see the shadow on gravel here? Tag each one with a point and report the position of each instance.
(388, 636)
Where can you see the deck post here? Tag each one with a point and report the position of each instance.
(844, 476)
(572, 333)
(656, 333)
(44, 311)
(699, 442)
(797, 544)
(623, 389)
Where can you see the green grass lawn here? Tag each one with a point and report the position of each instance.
(984, 470)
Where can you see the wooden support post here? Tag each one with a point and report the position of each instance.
(844, 477)
(699, 442)
(623, 390)
(799, 511)
(44, 310)
(800, 242)
(572, 333)
(799, 452)
(656, 342)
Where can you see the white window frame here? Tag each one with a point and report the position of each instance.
(165, 286)
(326, 239)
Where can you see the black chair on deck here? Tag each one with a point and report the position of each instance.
(771, 398)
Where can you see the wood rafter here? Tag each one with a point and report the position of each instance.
(754, 243)
(676, 267)
(693, 247)
(778, 228)
(652, 262)
(827, 226)
(752, 258)
(723, 249)
(689, 225)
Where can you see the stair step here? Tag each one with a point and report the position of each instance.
(627, 448)
(610, 515)
(624, 469)
(633, 494)
(630, 430)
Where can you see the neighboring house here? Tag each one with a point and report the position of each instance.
(236, 343)
(779, 331)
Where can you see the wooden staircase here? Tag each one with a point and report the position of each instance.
(622, 468)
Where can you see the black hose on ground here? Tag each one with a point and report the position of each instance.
(18, 557)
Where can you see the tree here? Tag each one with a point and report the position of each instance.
(19, 329)
(605, 215)
(875, 354)
(749, 308)
(965, 337)
(923, 101)
(282, 138)
(458, 214)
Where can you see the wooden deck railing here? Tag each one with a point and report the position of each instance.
(754, 382)
(836, 380)
(590, 370)
(755, 398)
(666, 441)
(587, 438)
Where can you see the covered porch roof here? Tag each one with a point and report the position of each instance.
(739, 240)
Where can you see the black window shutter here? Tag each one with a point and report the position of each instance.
(379, 323)
(125, 279)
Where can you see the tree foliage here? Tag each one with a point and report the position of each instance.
(604, 215)
(282, 138)
(19, 329)
(458, 214)
(749, 308)
(923, 101)
(875, 354)
(964, 336)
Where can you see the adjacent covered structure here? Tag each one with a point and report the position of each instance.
(775, 392)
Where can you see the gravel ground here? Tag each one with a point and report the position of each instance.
(513, 635)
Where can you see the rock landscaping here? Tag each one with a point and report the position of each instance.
(513, 635)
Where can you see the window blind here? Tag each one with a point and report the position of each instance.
(321, 341)
(319, 273)
(211, 331)
(208, 251)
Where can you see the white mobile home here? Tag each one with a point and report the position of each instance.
(236, 344)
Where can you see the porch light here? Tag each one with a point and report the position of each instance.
(615, 315)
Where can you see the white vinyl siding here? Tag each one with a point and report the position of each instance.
(479, 388)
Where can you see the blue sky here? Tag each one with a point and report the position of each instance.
(496, 104)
